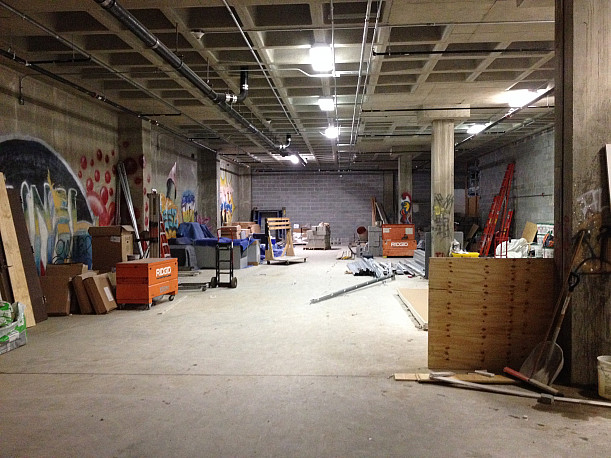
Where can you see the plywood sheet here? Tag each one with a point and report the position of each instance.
(27, 256)
(12, 254)
(487, 312)
(417, 300)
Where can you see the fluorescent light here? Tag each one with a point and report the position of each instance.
(294, 159)
(331, 132)
(520, 97)
(326, 104)
(477, 128)
(321, 58)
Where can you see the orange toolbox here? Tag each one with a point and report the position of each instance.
(399, 247)
(398, 232)
(142, 280)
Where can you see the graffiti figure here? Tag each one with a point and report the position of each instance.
(406, 208)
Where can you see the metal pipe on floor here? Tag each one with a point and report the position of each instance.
(352, 288)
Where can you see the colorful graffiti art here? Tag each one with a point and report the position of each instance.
(187, 207)
(226, 199)
(169, 213)
(406, 208)
(54, 201)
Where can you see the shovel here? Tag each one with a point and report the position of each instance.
(546, 360)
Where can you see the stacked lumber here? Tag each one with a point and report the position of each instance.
(232, 232)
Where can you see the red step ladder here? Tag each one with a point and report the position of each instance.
(500, 202)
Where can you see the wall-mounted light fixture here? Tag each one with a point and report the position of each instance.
(321, 58)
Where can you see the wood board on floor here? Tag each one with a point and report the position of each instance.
(487, 312)
(19, 283)
(417, 301)
(474, 378)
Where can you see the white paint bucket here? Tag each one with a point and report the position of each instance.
(604, 376)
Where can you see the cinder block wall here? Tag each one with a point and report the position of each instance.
(532, 189)
(343, 200)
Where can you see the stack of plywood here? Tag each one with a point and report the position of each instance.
(319, 237)
(487, 313)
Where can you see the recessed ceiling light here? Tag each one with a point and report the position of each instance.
(321, 58)
(326, 104)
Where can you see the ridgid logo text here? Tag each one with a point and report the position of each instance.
(163, 271)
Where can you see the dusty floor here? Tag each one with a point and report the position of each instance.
(259, 371)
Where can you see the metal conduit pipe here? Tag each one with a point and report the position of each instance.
(462, 51)
(95, 95)
(140, 31)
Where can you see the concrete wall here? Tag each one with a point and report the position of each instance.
(532, 189)
(61, 149)
(343, 200)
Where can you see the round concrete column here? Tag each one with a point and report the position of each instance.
(442, 175)
(442, 187)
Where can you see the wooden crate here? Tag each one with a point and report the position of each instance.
(487, 313)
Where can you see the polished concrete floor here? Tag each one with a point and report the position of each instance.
(259, 371)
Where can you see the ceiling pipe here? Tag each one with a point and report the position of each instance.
(152, 42)
(43, 71)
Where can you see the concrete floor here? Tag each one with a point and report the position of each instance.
(259, 371)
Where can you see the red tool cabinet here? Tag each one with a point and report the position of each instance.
(398, 240)
(140, 281)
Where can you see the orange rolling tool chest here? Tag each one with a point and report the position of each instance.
(398, 240)
(139, 281)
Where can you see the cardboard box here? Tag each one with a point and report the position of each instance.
(57, 288)
(82, 297)
(14, 335)
(110, 245)
(100, 294)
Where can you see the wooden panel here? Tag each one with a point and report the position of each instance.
(27, 256)
(487, 313)
(19, 283)
(417, 300)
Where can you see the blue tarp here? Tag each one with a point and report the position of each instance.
(200, 235)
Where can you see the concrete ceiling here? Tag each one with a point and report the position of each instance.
(393, 59)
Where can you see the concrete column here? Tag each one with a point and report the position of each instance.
(442, 187)
(405, 189)
(583, 126)
(442, 176)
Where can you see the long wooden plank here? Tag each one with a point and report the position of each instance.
(19, 282)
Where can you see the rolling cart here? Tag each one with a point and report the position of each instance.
(224, 265)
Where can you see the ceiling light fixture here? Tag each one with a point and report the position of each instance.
(331, 132)
(326, 104)
(321, 58)
(294, 159)
(477, 128)
(520, 97)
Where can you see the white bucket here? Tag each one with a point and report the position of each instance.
(604, 376)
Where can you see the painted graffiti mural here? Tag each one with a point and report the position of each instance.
(55, 204)
(187, 207)
(405, 211)
(226, 199)
(97, 172)
(440, 225)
